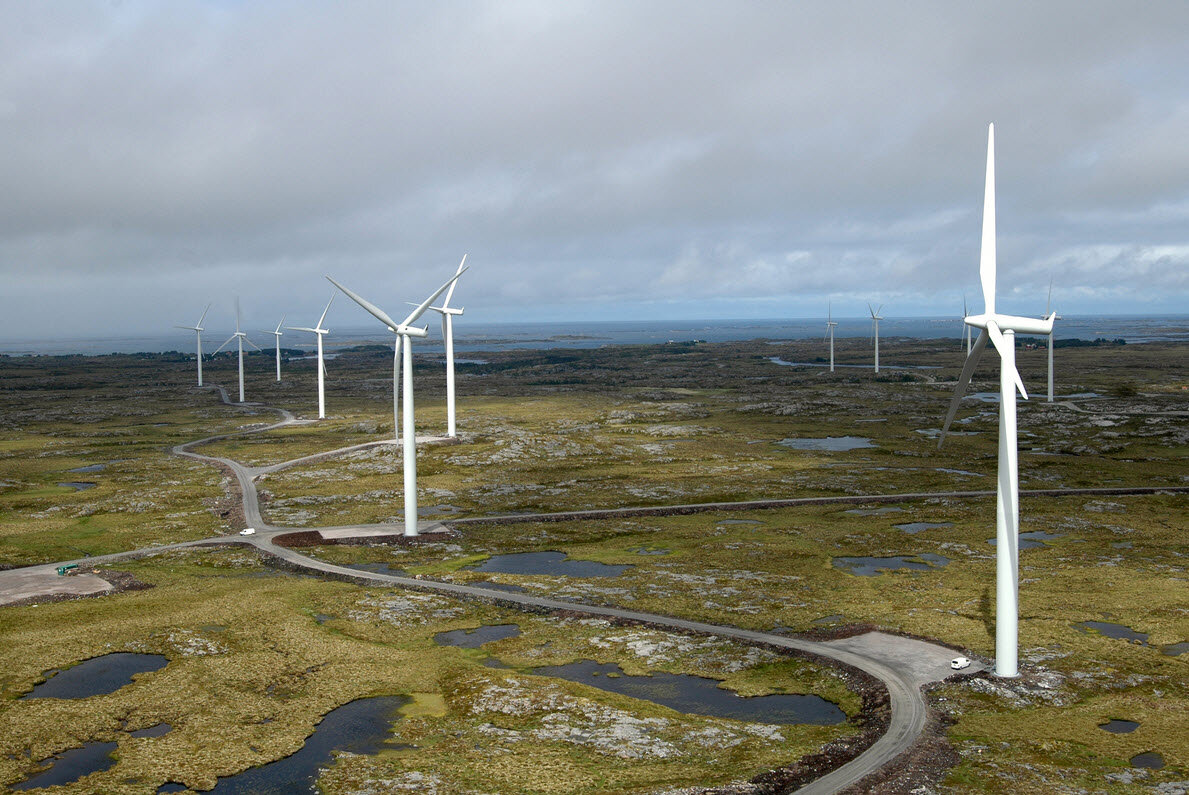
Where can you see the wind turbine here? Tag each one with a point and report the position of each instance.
(404, 334)
(1001, 331)
(830, 324)
(1054, 316)
(875, 318)
(197, 329)
(241, 338)
(318, 331)
(448, 312)
(278, 334)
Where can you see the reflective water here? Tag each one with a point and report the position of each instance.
(869, 567)
(1113, 631)
(474, 638)
(916, 527)
(550, 563)
(77, 485)
(697, 695)
(71, 765)
(1149, 759)
(153, 731)
(1031, 540)
(831, 443)
(90, 468)
(97, 676)
(959, 472)
(1175, 649)
(378, 568)
(359, 727)
(1116, 726)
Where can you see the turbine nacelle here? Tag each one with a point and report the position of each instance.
(1022, 325)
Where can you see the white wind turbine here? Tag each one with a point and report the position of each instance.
(875, 318)
(1054, 316)
(197, 329)
(241, 338)
(830, 324)
(448, 312)
(319, 332)
(404, 334)
(278, 334)
(1001, 331)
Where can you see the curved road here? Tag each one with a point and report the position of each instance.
(908, 709)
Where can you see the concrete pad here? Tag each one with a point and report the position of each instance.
(39, 582)
(924, 662)
(371, 530)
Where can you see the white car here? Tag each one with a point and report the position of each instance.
(958, 663)
(248, 531)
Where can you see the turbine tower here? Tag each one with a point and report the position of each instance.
(830, 324)
(1054, 316)
(197, 329)
(319, 332)
(875, 318)
(404, 334)
(1001, 331)
(241, 338)
(448, 312)
(278, 334)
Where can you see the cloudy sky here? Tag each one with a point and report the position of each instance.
(597, 160)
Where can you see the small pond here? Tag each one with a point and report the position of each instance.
(378, 568)
(1116, 726)
(160, 730)
(652, 551)
(1175, 649)
(916, 527)
(89, 468)
(474, 638)
(1031, 540)
(831, 443)
(985, 397)
(1113, 631)
(77, 485)
(869, 567)
(358, 727)
(696, 695)
(499, 586)
(1149, 759)
(70, 766)
(97, 676)
(549, 563)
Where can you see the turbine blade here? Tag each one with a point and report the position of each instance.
(1001, 344)
(829, 311)
(208, 308)
(416, 313)
(302, 328)
(450, 292)
(963, 381)
(986, 263)
(327, 309)
(376, 311)
(238, 316)
(1049, 300)
(254, 345)
(443, 328)
(224, 345)
(278, 331)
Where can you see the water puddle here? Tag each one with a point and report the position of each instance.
(652, 551)
(77, 485)
(837, 618)
(359, 727)
(916, 527)
(549, 563)
(869, 567)
(695, 695)
(1031, 540)
(474, 638)
(831, 443)
(1175, 649)
(1116, 726)
(89, 468)
(377, 568)
(985, 397)
(1113, 631)
(159, 730)
(1149, 759)
(499, 586)
(69, 766)
(873, 511)
(962, 472)
(322, 618)
(97, 676)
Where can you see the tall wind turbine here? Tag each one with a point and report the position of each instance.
(830, 324)
(197, 329)
(319, 332)
(1001, 331)
(875, 318)
(241, 338)
(448, 312)
(1054, 316)
(278, 334)
(404, 334)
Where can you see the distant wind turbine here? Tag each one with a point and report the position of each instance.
(197, 329)
(1054, 316)
(1000, 330)
(830, 324)
(319, 332)
(875, 318)
(404, 334)
(241, 338)
(448, 312)
(278, 334)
